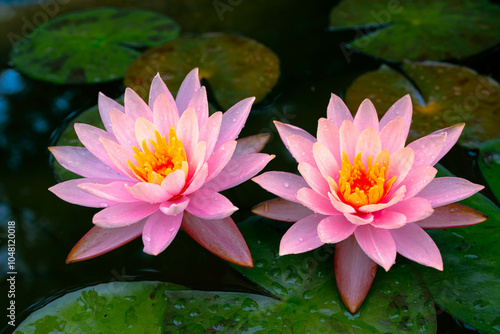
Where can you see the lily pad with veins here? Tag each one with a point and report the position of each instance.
(235, 67)
(442, 95)
(418, 30)
(90, 46)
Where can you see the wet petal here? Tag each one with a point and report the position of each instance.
(220, 158)
(349, 135)
(286, 130)
(301, 149)
(417, 179)
(388, 219)
(89, 136)
(368, 144)
(165, 115)
(188, 131)
(199, 103)
(401, 163)
(427, 148)
(334, 229)
(123, 128)
(302, 236)
(282, 184)
(366, 116)
(415, 208)
(70, 192)
(114, 191)
(328, 135)
(452, 215)
(123, 214)
(327, 165)
(119, 157)
(445, 190)
(159, 231)
(393, 136)
(135, 106)
(378, 244)
(316, 202)
(402, 108)
(150, 192)
(175, 207)
(452, 134)
(281, 209)
(188, 88)
(209, 204)
(209, 132)
(105, 104)
(251, 144)
(233, 121)
(337, 111)
(158, 87)
(313, 178)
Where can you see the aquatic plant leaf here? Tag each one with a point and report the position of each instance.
(467, 288)
(489, 163)
(235, 67)
(442, 95)
(443, 29)
(90, 46)
(116, 307)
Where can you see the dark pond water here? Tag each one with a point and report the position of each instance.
(32, 113)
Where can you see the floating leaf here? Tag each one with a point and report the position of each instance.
(133, 307)
(467, 288)
(235, 67)
(489, 163)
(416, 30)
(90, 46)
(442, 95)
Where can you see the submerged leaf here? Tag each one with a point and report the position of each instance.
(91, 46)
(442, 95)
(235, 67)
(489, 163)
(444, 29)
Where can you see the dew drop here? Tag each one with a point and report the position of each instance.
(177, 319)
(103, 205)
(180, 304)
(249, 305)
(286, 184)
(194, 312)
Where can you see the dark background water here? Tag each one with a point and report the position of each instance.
(32, 113)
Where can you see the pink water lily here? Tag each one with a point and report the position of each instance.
(364, 190)
(159, 167)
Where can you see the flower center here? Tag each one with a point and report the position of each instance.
(360, 185)
(165, 157)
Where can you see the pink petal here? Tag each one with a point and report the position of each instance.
(392, 135)
(188, 131)
(220, 159)
(174, 182)
(340, 206)
(208, 204)
(123, 214)
(105, 104)
(328, 135)
(359, 219)
(301, 149)
(337, 111)
(354, 273)
(173, 208)
(349, 135)
(402, 108)
(414, 209)
(209, 132)
(282, 184)
(314, 178)
(378, 244)
(150, 192)
(89, 137)
(452, 135)
(400, 165)
(316, 202)
(445, 190)
(368, 144)
(302, 236)
(413, 243)
(158, 87)
(366, 117)
(99, 241)
(427, 149)
(452, 215)
(417, 179)
(198, 180)
(119, 157)
(199, 103)
(281, 209)
(388, 201)
(251, 144)
(233, 121)
(115, 191)
(221, 237)
(197, 160)
(165, 114)
(388, 219)
(135, 106)
(238, 170)
(68, 191)
(159, 231)
(188, 87)
(81, 161)
(123, 128)
(327, 165)
(334, 229)
(287, 130)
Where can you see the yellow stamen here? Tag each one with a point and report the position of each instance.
(359, 185)
(164, 158)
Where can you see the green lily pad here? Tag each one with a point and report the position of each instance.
(90, 46)
(442, 95)
(235, 67)
(416, 30)
(467, 288)
(118, 307)
(489, 163)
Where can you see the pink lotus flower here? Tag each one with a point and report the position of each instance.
(161, 167)
(362, 189)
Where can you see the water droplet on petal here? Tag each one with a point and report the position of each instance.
(286, 184)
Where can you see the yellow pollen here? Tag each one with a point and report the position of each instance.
(359, 185)
(165, 157)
